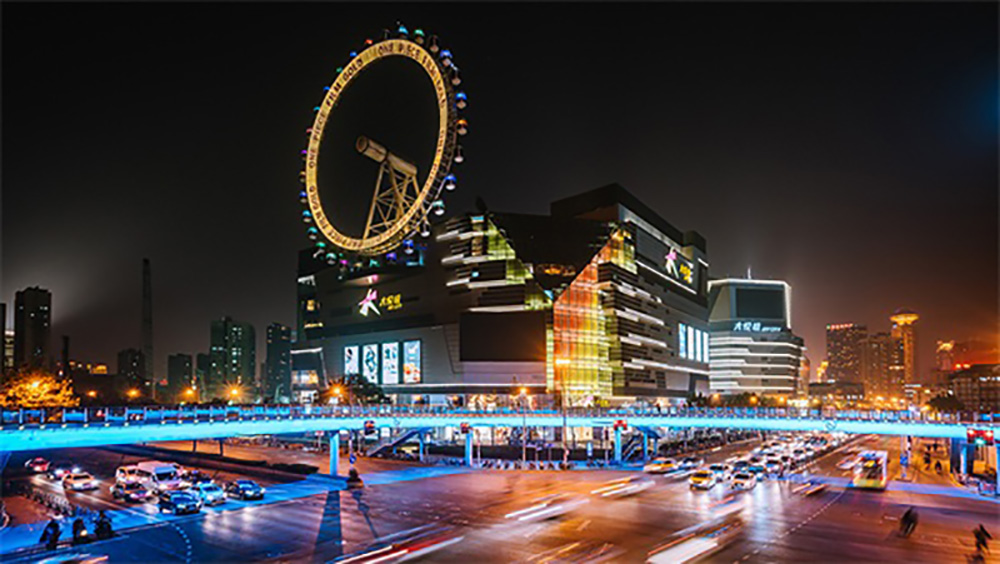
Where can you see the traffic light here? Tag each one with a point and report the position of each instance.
(980, 437)
(621, 424)
(464, 427)
(369, 427)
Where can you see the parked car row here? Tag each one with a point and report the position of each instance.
(171, 487)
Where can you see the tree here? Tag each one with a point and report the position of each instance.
(37, 388)
(946, 402)
(360, 391)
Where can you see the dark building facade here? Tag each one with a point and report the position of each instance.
(584, 305)
(844, 349)
(753, 349)
(277, 369)
(882, 370)
(132, 369)
(233, 359)
(32, 328)
(180, 379)
(977, 387)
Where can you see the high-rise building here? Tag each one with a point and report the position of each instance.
(147, 328)
(903, 328)
(752, 347)
(277, 370)
(805, 370)
(180, 378)
(882, 368)
(32, 327)
(977, 387)
(944, 356)
(132, 369)
(202, 373)
(821, 371)
(843, 351)
(7, 358)
(234, 359)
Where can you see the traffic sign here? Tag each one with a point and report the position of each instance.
(590, 450)
(353, 458)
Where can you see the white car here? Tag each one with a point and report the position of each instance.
(744, 481)
(624, 487)
(847, 462)
(721, 471)
(703, 480)
(210, 493)
(127, 474)
(660, 466)
(690, 462)
(548, 507)
(79, 481)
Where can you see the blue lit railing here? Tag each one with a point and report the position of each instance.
(120, 415)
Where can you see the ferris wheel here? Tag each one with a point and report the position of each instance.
(401, 203)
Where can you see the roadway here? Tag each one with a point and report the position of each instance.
(780, 526)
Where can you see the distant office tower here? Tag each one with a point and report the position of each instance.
(278, 367)
(821, 371)
(180, 379)
(903, 329)
(7, 358)
(234, 359)
(805, 368)
(944, 356)
(752, 347)
(882, 369)
(147, 327)
(64, 368)
(132, 369)
(32, 320)
(843, 351)
(202, 373)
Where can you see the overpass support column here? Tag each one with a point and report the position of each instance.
(618, 445)
(468, 448)
(334, 452)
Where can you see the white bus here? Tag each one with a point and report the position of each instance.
(871, 470)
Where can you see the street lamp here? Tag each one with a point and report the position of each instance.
(132, 393)
(523, 392)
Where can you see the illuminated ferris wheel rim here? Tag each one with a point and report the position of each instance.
(416, 210)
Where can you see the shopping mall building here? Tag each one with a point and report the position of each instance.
(602, 301)
(753, 347)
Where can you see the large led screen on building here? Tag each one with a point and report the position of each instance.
(369, 363)
(352, 363)
(390, 363)
(514, 336)
(760, 303)
(411, 362)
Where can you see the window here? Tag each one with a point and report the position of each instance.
(411, 362)
(390, 363)
(704, 346)
(690, 337)
(682, 337)
(697, 345)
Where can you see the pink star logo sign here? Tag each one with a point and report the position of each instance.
(368, 303)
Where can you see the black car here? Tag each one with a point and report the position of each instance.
(60, 470)
(130, 491)
(244, 489)
(194, 477)
(179, 503)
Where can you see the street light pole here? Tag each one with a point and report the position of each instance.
(524, 428)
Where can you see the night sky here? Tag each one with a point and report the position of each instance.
(849, 149)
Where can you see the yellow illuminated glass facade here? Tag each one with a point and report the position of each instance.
(580, 362)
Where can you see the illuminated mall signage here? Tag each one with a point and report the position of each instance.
(755, 327)
(372, 303)
(679, 268)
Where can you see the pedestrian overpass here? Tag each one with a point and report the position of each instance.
(48, 428)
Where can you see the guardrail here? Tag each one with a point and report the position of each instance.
(21, 418)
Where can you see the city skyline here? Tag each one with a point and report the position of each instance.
(831, 195)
